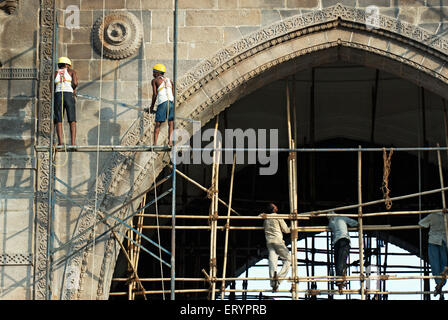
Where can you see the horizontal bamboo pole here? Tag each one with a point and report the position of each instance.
(312, 292)
(369, 203)
(299, 229)
(289, 216)
(277, 216)
(298, 279)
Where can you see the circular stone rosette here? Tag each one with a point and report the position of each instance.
(118, 35)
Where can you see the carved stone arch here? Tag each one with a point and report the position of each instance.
(281, 49)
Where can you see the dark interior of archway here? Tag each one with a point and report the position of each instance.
(353, 106)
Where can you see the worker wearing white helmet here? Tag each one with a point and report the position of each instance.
(65, 83)
(163, 99)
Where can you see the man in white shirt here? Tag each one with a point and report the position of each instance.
(163, 99)
(341, 243)
(273, 230)
(437, 250)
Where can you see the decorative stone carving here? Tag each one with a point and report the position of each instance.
(16, 259)
(47, 29)
(118, 35)
(18, 73)
(9, 6)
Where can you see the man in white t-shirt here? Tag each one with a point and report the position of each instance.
(273, 230)
(163, 99)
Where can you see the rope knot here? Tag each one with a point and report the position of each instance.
(386, 172)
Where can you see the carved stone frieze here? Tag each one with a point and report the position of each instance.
(297, 26)
(11, 259)
(18, 74)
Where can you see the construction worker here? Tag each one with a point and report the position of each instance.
(163, 99)
(273, 230)
(65, 83)
(437, 249)
(341, 243)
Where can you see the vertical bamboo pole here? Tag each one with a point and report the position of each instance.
(138, 239)
(439, 158)
(360, 232)
(226, 241)
(214, 211)
(292, 171)
(131, 274)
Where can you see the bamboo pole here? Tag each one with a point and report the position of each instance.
(134, 270)
(292, 177)
(311, 292)
(299, 216)
(138, 238)
(303, 279)
(227, 227)
(360, 232)
(439, 158)
(299, 229)
(214, 212)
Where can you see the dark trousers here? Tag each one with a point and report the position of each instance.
(341, 252)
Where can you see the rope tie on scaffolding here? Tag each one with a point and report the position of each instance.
(386, 172)
(210, 192)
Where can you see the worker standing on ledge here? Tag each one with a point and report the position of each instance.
(163, 99)
(65, 83)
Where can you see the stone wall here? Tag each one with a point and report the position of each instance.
(18, 85)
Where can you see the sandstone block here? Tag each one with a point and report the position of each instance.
(149, 5)
(197, 4)
(302, 3)
(243, 17)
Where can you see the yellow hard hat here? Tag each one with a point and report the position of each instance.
(159, 67)
(64, 60)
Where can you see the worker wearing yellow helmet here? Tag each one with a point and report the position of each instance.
(65, 83)
(163, 99)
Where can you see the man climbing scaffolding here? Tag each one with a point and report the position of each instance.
(65, 83)
(274, 229)
(341, 243)
(163, 99)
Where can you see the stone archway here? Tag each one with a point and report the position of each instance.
(331, 34)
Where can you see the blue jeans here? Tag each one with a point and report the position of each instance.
(437, 259)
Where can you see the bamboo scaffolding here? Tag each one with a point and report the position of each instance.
(299, 217)
(302, 279)
(299, 229)
(360, 231)
(309, 292)
(214, 213)
(439, 158)
(292, 187)
(134, 250)
(294, 216)
(227, 227)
